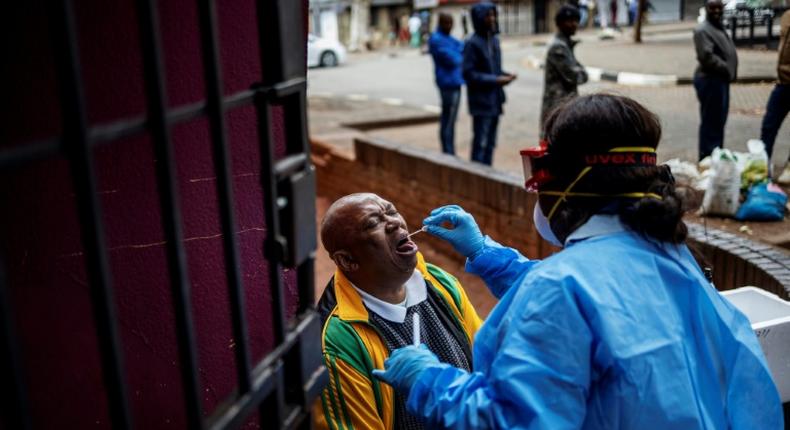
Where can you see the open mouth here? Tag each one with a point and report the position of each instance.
(405, 246)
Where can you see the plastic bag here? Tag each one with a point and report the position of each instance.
(765, 202)
(686, 174)
(755, 164)
(722, 195)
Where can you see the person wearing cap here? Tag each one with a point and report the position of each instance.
(718, 66)
(368, 310)
(618, 330)
(563, 73)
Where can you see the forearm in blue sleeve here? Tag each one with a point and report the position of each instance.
(499, 266)
(536, 377)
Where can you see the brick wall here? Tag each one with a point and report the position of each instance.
(417, 181)
(737, 261)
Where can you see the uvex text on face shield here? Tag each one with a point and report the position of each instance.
(536, 162)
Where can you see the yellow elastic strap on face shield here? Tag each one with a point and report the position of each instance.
(563, 194)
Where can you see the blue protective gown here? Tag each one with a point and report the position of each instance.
(614, 332)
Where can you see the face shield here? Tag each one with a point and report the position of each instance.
(535, 163)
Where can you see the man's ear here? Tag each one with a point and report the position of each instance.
(345, 261)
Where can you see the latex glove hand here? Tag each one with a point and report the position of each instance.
(405, 364)
(465, 235)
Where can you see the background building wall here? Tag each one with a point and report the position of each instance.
(39, 228)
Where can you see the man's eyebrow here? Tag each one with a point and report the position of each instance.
(368, 215)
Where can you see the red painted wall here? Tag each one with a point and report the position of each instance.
(39, 226)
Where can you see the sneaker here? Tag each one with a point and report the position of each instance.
(784, 178)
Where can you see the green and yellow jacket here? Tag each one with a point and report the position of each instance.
(352, 348)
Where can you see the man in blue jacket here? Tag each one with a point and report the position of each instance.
(482, 71)
(447, 53)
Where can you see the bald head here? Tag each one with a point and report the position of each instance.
(368, 240)
(338, 221)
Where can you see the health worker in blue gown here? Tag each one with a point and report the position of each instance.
(618, 330)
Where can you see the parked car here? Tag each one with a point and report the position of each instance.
(324, 52)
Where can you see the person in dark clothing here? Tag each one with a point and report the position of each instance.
(464, 23)
(482, 71)
(779, 101)
(718, 66)
(563, 74)
(447, 53)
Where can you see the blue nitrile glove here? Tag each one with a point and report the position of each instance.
(465, 235)
(405, 364)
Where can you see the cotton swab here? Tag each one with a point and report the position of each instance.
(416, 329)
(418, 231)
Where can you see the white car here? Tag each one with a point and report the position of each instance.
(324, 52)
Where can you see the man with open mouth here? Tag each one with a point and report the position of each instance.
(368, 310)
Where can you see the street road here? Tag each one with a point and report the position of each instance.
(406, 77)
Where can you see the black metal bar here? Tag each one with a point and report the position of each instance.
(13, 394)
(268, 38)
(28, 152)
(305, 275)
(107, 133)
(239, 99)
(264, 377)
(222, 165)
(291, 164)
(734, 29)
(92, 231)
(171, 215)
(20, 155)
(266, 380)
(186, 112)
(751, 26)
(273, 245)
(283, 89)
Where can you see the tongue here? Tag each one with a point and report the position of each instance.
(406, 246)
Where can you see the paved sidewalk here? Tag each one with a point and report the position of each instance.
(666, 51)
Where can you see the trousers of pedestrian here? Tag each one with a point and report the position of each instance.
(713, 94)
(484, 129)
(451, 98)
(775, 112)
(584, 13)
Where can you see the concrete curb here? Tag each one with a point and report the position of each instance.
(644, 79)
(738, 261)
(421, 114)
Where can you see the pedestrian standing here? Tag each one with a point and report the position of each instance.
(562, 73)
(718, 66)
(584, 12)
(465, 23)
(447, 53)
(613, 11)
(779, 101)
(414, 29)
(482, 71)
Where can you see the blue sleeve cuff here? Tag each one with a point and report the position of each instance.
(499, 266)
(491, 251)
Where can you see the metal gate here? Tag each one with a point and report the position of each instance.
(281, 387)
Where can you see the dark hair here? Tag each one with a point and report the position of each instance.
(567, 12)
(594, 124)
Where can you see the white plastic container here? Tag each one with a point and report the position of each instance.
(770, 318)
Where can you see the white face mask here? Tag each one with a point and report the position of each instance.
(543, 227)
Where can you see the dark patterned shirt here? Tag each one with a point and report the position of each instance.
(437, 330)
